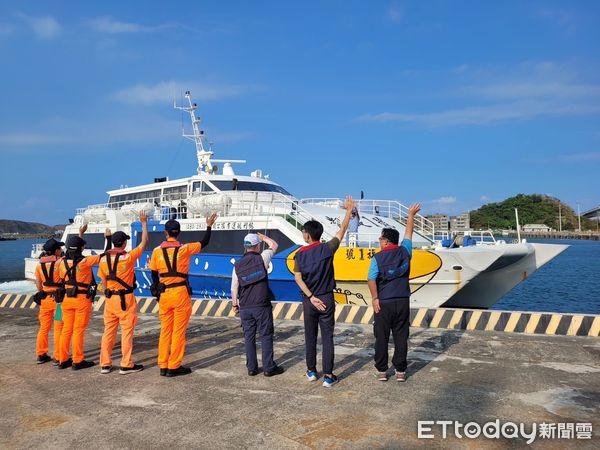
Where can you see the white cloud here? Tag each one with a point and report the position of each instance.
(46, 27)
(484, 198)
(444, 200)
(108, 25)
(565, 19)
(489, 114)
(167, 91)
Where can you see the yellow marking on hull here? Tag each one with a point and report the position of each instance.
(352, 264)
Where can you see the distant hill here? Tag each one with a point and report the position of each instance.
(534, 208)
(20, 227)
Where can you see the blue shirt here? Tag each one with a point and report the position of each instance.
(374, 270)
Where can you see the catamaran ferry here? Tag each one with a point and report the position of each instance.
(474, 274)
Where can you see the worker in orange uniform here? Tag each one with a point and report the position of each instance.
(116, 270)
(48, 283)
(170, 266)
(80, 289)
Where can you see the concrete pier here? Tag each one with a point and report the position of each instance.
(455, 375)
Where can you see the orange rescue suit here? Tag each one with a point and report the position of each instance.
(76, 310)
(175, 306)
(114, 314)
(48, 305)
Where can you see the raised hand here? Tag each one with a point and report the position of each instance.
(261, 236)
(107, 232)
(210, 220)
(349, 203)
(82, 229)
(143, 217)
(414, 209)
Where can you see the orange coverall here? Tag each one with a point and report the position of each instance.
(48, 308)
(76, 311)
(113, 313)
(175, 306)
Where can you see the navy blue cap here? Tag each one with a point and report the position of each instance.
(52, 245)
(119, 237)
(75, 242)
(172, 225)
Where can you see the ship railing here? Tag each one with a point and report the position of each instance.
(258, 203)
(481, 237)
(36, 250)
(384, 208)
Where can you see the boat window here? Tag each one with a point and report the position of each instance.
(134, 197)
(175, 192)
(94, 241)
(201, 186)
(249, 186)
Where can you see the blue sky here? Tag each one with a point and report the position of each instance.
(450, 103)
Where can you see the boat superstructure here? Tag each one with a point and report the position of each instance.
(466, 276)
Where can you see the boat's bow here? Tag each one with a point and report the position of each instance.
(547, 252)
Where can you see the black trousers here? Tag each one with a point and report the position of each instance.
(313, 320)
(394, 316)
(259, 319)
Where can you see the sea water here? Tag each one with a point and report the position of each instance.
(569, 283)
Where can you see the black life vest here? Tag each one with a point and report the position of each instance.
(112, 276)
(253, 281)
(172, 270)
(49, 275)
(393, 277)
(72, 286)
(316, 266)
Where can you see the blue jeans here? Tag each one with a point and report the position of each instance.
(259, 318)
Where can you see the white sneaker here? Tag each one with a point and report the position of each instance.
(106, 369)
(311, 375)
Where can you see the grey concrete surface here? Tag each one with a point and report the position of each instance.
(474, 376)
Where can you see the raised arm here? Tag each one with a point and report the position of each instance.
(349, 204)
(144, 220)
(270, 242)
(410, 221)
(210, 221)
(107, 237)
(82, 229)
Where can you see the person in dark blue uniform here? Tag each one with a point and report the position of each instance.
(388, 282)
(314, 275)
(251, 296)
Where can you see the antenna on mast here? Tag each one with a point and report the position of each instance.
(204, 156)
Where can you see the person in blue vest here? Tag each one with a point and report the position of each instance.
(388, 282)
(251, 297)
(314, 275)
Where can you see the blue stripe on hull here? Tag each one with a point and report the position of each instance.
(210, 276)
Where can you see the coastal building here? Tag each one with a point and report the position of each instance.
(536, 228)
(440, 221)
(462, 222)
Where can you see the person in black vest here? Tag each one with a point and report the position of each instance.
(314, 275)
(388, 282)
(251, 296)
